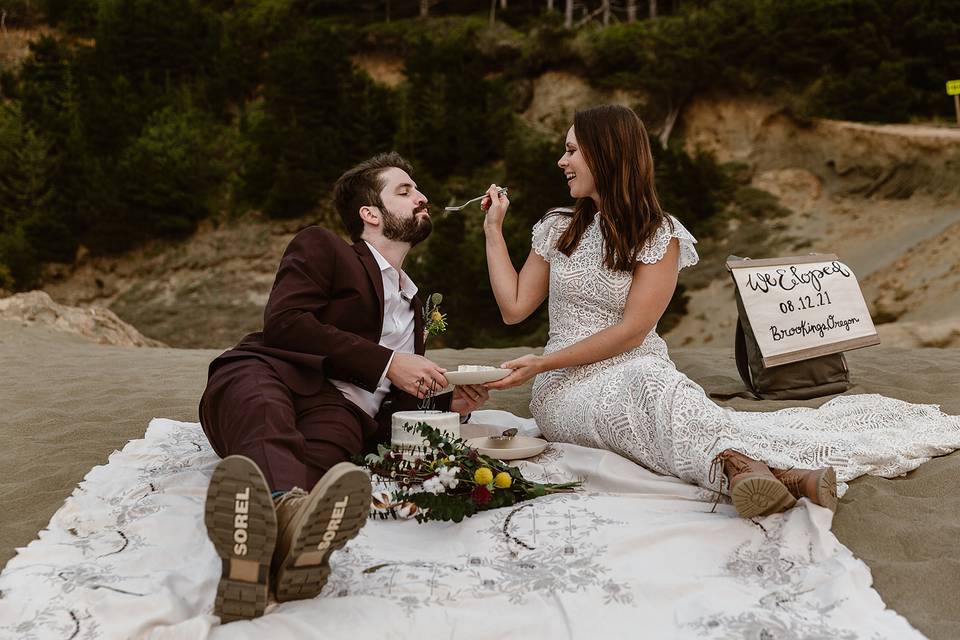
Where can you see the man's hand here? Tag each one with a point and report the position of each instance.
(468, 397)
(415, 374)
(524, 368)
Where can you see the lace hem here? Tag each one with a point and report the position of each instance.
(656, 247)
(547, 231)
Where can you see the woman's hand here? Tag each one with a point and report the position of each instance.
(467, 398)
(495, 204)
(524, 368)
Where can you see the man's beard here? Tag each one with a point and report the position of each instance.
(413, 230)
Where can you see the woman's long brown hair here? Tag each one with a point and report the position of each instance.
(616, 148)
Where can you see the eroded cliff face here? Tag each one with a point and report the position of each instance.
(885, 199)
(206, 291)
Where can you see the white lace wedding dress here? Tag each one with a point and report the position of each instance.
(638, 405)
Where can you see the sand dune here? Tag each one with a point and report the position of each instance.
(68, 403)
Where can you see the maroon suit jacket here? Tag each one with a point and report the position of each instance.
(324, 318)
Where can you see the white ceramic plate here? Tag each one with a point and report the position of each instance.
(514, 448)
(476, 377)
(477, 430)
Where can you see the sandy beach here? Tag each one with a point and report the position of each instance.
(68, 403)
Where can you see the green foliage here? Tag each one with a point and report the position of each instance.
(9, 87)
(693, 188)
(548, 46)
(170, 176)
(156, 42)
(77, 16)
(47, 86)
(530, 160)
(20, 13)
(25, 197)
(448, 110)
(309, 129)
(854, 59)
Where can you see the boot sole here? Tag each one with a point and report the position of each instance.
(760, 496)
(827, 489)
(245, 544)
(343, 493)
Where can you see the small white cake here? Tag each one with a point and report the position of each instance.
(445, 421)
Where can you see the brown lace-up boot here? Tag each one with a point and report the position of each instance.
(820, 485)
(753, 487)
(310, 526)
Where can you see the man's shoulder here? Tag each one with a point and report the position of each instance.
(317, 233)
(316, 237)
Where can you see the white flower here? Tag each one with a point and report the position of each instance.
(407, 510)
(433, 485)
(448, 476)
(380, 501)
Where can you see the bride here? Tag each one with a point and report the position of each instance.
(605, 378)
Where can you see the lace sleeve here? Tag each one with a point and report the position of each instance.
(655, 248)
(546, 233)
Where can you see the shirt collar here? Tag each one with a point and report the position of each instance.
(407, 287)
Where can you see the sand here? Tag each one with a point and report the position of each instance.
(68, 403)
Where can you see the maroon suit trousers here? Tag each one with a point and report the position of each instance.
(246, 409)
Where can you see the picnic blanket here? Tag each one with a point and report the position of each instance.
(633, 554)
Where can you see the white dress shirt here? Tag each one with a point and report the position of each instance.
(396, 333)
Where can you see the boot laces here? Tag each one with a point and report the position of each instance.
(791, 481)
(717, 465)
(289, 501)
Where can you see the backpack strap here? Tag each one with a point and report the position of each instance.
(743, 366)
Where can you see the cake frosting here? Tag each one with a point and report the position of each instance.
(445, 421)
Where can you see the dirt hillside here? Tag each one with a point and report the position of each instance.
(886, 199)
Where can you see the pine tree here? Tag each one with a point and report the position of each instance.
(26, 194)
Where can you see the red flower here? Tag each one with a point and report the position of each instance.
(481, 495)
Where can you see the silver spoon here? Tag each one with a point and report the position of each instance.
(502, 190)
(506, 435)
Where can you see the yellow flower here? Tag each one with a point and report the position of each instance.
(436, 316)
(502, 480)
(483, 475)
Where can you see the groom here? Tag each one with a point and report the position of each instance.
(341, 350)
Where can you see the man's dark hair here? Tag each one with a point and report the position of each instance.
(361, 187)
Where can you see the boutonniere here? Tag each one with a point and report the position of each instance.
(434, 321)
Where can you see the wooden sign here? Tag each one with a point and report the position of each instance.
(803, 307)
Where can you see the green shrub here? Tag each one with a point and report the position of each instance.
(170, 177)
(311, 126)
(25, 200)
(20, 13)
(77, 16)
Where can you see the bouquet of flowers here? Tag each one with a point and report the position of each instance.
(447, 480)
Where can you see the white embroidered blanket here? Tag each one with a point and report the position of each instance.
(633, 555)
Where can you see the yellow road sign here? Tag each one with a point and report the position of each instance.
(953, 87)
